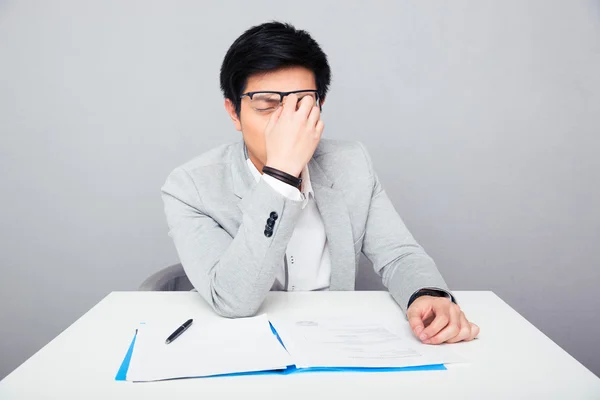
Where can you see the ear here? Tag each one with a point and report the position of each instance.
(321, 102)
(230, 108)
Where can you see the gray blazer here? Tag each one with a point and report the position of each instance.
(217, 213)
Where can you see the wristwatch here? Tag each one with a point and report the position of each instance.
(428, 292)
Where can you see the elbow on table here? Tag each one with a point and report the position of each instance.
(234, 308)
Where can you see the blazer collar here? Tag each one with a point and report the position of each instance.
(241, 176)
(338, 228)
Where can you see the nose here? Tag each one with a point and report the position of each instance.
(290, 97)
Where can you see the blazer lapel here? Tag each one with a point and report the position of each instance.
(338, 228)
(241, 177)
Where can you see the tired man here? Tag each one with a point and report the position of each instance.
(283, 209)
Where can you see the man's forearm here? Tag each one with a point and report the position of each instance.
(233, 274)
(246, 271)
(407, 275)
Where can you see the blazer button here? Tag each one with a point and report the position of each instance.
(274, 215)
(270, 222)
(268, 233)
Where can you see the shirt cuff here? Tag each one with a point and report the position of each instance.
(283, 188)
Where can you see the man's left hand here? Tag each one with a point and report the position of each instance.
(436, 320)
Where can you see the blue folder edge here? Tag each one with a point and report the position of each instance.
(122, 373)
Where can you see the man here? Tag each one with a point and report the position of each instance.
(284, 209)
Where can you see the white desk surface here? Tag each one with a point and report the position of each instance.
(511, 358)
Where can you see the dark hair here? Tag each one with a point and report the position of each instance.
(268, 47)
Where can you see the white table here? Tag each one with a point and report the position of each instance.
(511, 358)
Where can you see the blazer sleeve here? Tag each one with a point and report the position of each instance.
(233, 274)
(403, 265)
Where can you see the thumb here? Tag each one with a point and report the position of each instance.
(273, 119)
(415, 320)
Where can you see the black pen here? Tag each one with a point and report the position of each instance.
(179, 331)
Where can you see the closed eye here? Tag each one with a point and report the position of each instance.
(266, 109)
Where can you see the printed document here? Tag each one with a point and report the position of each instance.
(349, 342)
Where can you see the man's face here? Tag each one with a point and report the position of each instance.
(252, 122)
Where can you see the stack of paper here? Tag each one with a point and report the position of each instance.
(247, 345)
(221, 347)
(344, 342)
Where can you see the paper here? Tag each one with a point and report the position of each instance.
(352, 343)
(217, 347)
(124, 367)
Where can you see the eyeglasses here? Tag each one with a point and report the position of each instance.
(269, 101)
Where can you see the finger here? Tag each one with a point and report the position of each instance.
(319, 128)
(273, 119)
(450, 331)
(314, 116)
(441, 320)
(465, 330)
(416, 315)
(474, 331)
(304, 107)
(415, 321)
(416, 324)
(290, 103)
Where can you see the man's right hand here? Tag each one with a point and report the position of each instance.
(292, 134)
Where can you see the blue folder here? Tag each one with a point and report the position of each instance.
(292, 369)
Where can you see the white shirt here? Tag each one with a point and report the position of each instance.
(307, 263)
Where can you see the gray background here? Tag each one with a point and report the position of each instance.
(482, 118)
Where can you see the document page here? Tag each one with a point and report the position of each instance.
(217, 347)
(354, 343)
